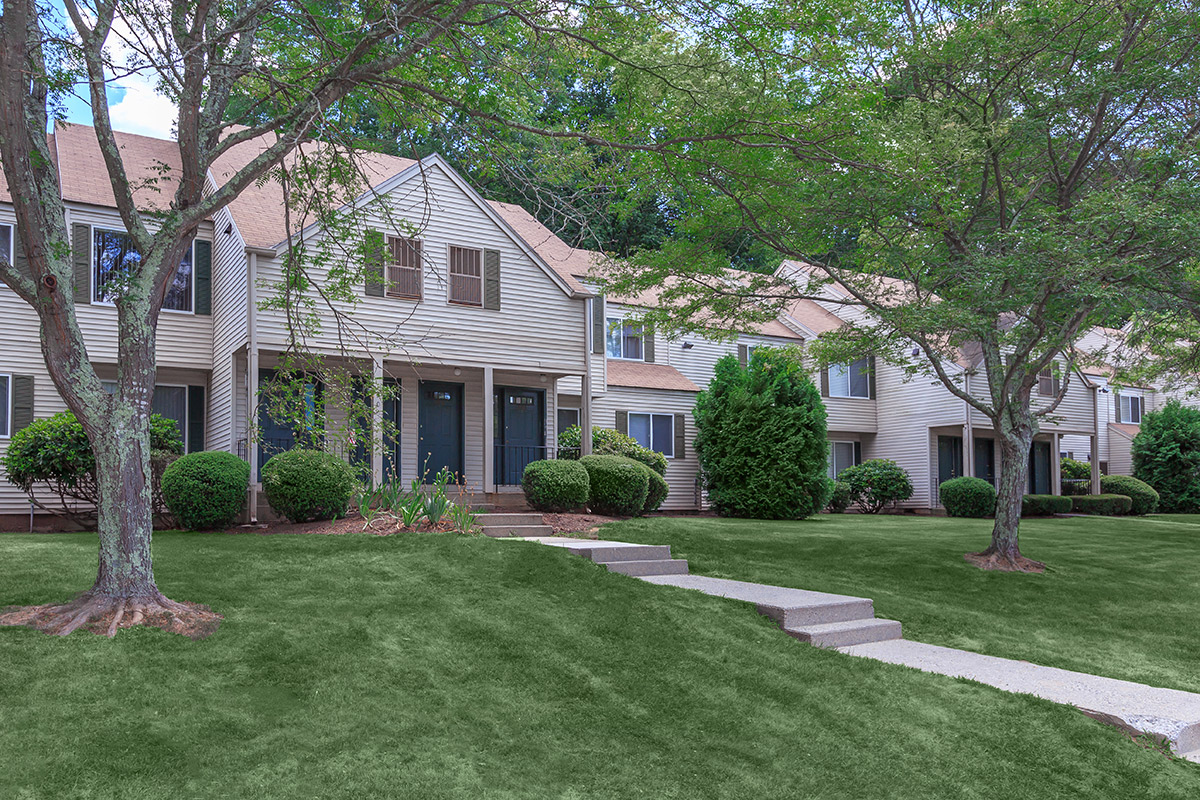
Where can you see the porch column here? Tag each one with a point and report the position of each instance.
(585, 383)
(377, 421)
(1094, 453)
(1055, 465)
(250, 428)
(489, 431)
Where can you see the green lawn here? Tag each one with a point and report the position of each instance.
(1121, 598)
(442, 666)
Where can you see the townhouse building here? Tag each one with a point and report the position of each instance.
(488, 326)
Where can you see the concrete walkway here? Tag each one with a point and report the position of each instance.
(848, 624)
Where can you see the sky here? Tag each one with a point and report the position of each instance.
(133, 104)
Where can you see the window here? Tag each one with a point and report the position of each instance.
(655, 431)
(466, 276)
(168, 401)
(404, 267)
(850, 381)
(567, 417)
(1131, 409)
(5, 404)
(1047, 385)
(113, 256)
(624, 340)
(6, 242)
(842, 455)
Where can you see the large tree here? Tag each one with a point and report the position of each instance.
(983, 180)
(299, 70)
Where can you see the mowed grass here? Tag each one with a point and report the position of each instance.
(1121, 597)
(431, 666)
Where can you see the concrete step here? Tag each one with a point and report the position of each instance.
(845, 634)
(607, 553)
(789, 607)
(1192, 756)
(669, 566)
(507, 518)
(504, 531)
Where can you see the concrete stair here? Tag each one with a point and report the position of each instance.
(513, 524)
(635, 560)
(846, 633)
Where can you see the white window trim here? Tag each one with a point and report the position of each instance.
(652, 415)
(482, 267)
(849, 383)
(7, 434)
(12, 239)
(110, 303)
(832, 444)
(1126, 419)
(578, 414)
(609, 327)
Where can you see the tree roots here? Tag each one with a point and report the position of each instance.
(101, 614)
(993, 559)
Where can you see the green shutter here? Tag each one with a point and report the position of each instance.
(871, 377)
(81, 262)
(203, 275)
(22, 402)
(373, 268)
(648, 345)
(623, 422)
(1116, 396)
(680, 435)
(196, 412)
(743, 355)
(491, 279)
(599, 329)
(825, 381)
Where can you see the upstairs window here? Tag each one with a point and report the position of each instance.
(624, 340)
(1047, 386)
(1131, 409)
(466, 276)
(850, 380)
(114, 257)
(654, 431)
(6, 242)
(404, 267)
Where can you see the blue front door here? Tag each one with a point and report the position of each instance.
(520, 432)
(279, 435)
(441, 429)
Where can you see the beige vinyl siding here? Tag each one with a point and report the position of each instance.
(230, 309)
(681, 472)
(1120, 454)
(538, 325)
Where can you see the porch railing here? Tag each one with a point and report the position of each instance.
(510, 460)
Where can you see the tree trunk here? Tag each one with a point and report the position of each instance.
(1016, 432)
(124, 514)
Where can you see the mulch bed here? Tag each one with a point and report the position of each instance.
(581, 525)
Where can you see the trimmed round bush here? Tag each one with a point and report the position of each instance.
(840, 500)
(206, 490)
(877, 483)
(968, 497)
(1044, 505)
(1103, 505)
(304, 485)
(656, 491)
(1145, 499)
(618, 485)
(555, 485)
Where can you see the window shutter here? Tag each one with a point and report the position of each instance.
(857, 453)
(680, 437)
(599, 330)
(623, 422)
(81, 261)
(373, 267)
(1116, 405)
(195, 399)
(870, 377)
(22, 402)
(203, 278)
(824, 381)
(491, 279)
(648, 345)
(743, 355)
(19, 261)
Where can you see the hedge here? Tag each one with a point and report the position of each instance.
(656, 491)
(618, 485)
(1044, 505)
(608, 442)
(1103, 505)
(555, 485)
(1166, 455)
(839, 501)
(1145, 499)
(206, 490)
(876, 483)
(968, 497)
(304, 485)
